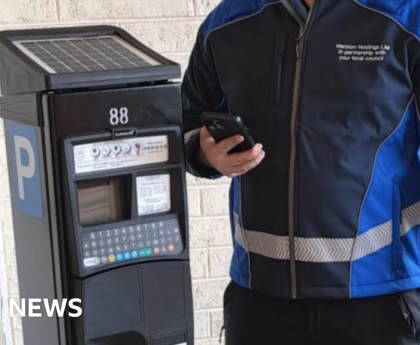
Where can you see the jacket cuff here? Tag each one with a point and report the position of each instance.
(192, 144)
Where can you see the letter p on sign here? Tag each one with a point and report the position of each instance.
(24, 171)
(25, 177)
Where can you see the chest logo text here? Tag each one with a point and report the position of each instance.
(362, 52)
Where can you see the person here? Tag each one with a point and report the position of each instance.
(325, 208)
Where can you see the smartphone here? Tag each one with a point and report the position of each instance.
(222, 126)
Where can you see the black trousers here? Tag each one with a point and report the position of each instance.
(251, 318)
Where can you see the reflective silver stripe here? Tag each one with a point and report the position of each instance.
(410, 218)
(239, 234)
(381, 236)
(373, 240)
(326, 249)
(323, 249)
(272, 246)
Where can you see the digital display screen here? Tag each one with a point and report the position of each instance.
(153, 194)
(102, 202)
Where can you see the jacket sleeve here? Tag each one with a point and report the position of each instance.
(201, 91)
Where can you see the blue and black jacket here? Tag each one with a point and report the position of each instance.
(333, 211)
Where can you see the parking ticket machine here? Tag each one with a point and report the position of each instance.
(96, 165)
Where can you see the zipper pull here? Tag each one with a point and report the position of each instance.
(297, 42)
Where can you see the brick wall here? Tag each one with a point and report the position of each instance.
(170, 27)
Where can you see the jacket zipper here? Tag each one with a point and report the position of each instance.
(281, 39)
(300, 48)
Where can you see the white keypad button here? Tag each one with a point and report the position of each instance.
(91, 262)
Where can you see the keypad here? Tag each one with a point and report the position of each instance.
(105, 247)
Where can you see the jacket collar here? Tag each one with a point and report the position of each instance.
(297, 9)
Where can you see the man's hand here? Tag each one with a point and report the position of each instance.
(216, 155)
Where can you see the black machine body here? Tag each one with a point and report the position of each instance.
(108, 221)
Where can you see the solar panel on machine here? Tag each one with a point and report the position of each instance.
(85, 54)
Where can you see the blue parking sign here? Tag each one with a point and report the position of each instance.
(26, 180)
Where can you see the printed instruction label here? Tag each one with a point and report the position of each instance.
(153, 194)
(362, 52)
(121, 153)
